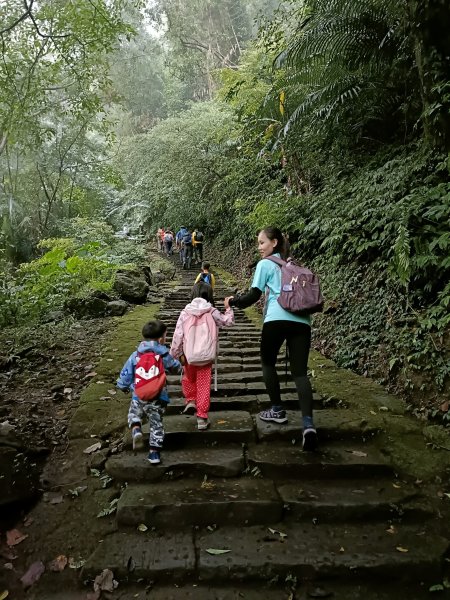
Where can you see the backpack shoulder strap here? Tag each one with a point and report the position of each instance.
(278, 261)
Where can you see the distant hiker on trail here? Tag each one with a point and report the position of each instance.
(186, 246)
(162, 236)
(195, 343)
(197, 243)
(206, 275)
(144, 374)
(159, 237)
(281, 325)
(178, 238)
(168, 242)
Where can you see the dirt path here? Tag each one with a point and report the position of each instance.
(239, 511)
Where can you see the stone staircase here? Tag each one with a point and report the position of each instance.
(241, 505)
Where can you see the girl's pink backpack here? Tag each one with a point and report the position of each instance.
(200, 337)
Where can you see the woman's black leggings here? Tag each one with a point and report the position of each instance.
(298, 340)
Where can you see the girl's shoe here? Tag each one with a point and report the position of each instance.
(189, 409)
(202, 424)
(276, 416)
(309, 443)
(136, 436)
(154, 457)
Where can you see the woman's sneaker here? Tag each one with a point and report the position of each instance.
(136, 436)
(189, 409)
(309, 443)
(154, 457)
(276, 416)
(202, 423)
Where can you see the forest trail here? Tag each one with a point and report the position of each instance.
(239, 510)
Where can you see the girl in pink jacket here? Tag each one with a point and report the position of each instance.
(195, 343)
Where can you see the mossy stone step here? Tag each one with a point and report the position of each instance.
(234, 389)
(310, 551)
(245, 376)
(135, 556)
(258, 554)
(349, 500)
(251, 403)
(331, 424)
(177, 504)
(272, 591)
(226, 426)
(333, 460)
(214, 462)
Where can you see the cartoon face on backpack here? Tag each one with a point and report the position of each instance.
(149, 376)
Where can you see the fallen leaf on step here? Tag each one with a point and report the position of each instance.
(142, 527)
(391, 530)
(445, 406)
(359, 453)
(112, 392)
(58, 564)
(276, 532)
(14, 537)
(216, 551)
(234, 496)
(401, 549)
(27, 521)
(372, 412)
(396, 486)
(383, 408)
(91, 374)
(109, 359)
(33, 574)
(76, 564)
(93, 448)
(221, 422)
(105, 582)
(342, 549)
(4, 595)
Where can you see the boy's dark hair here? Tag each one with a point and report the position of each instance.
(153, 330)
(206, 265)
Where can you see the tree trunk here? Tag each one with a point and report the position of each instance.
(430, 25)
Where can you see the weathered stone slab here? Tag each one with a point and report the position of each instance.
(331, 424)
(131, 556)
(319, 551)
(352, 500)
(226, 426)
(215, 462)
(232, 403)
(280, 460)
(177, 504)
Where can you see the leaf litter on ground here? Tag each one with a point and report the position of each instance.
(14, 537)
(33, 574)
(105, 582)
(217, 551)
(58, 564)
(93, 448)
(276, 532)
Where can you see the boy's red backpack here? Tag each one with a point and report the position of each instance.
(300, 288)
(149, 375)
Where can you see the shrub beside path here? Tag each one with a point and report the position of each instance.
(239, 510)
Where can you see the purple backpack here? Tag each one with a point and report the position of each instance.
(300, 288)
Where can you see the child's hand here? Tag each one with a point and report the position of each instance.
(226, 302)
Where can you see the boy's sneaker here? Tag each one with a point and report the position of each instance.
(276, 416)
(189, 409)
(309, 443)
(202, 423)
(136, 436)
(154, 457)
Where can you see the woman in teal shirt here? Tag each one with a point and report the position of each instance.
(279, 326)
